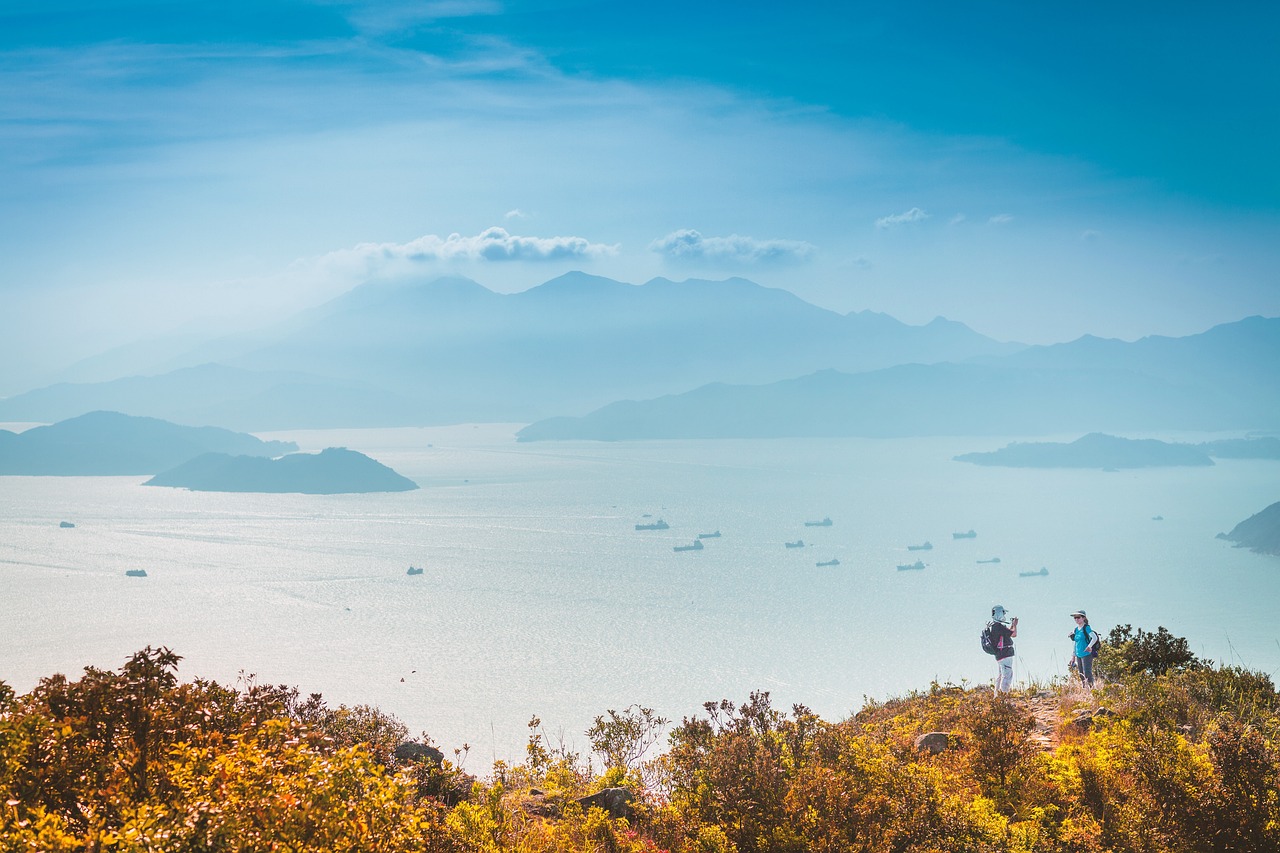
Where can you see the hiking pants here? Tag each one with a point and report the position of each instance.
(1004, 674)
(1084, 665)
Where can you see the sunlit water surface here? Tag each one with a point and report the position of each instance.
(539, 596)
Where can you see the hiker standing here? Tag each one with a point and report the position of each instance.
(1086, 646)
(1002, 634)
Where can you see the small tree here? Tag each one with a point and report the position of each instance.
(1154, 653)
(624, 738)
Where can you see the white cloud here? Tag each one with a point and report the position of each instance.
(492, 244)
(516, 213)
(915, 214)
(1000, 219)
(1090, 234)
(957, 219)
(689, 244)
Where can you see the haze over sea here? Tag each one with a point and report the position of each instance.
(540, 597)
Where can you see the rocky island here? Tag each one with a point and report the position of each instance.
(111, 444)
(1094, 450)
(333, 471)
(1259, 532)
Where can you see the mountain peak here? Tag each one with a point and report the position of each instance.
(577, 281)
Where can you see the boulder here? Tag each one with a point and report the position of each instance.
(413, 751)
(933, 742)
(1086, 718)
(615, 801)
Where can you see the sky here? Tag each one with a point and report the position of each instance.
(1038, 171)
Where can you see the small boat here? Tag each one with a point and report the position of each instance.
(1043, 571)
(715, 535)
(912, 567)
(414, 570)
(136, 573)
(923, 546)
(969, 535)
(65, 524)
(992, 560)
(1153, 518)
(657, 525)
(832, 562)
(799, 543)
(826, 522)
(696, 546)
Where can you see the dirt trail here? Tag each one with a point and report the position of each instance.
(1044, 707)
(1052, 709)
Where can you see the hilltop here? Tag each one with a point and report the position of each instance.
(1173, 754)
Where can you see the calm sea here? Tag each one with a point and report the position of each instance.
(539, 596)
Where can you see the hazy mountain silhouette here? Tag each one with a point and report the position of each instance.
(1095, 450)
(109, 443)
(1267, 447)
(1259, 532)
(580, 341)
(452, 351)
(1237, 356)
(711, 358)
(332, 471)
(214, 393)
(1016, 395)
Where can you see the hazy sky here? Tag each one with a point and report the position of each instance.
(1035, 170)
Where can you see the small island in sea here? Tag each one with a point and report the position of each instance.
(333, 471)
(1264, 447)
(112, 444)
(1259, 532)
(1095, 450)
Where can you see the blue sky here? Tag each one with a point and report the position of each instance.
(1037, 171)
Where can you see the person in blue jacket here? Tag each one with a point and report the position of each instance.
(1086, 646)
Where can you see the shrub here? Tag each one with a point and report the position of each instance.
(1126, 653)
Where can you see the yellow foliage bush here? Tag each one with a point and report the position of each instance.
(1187, 761)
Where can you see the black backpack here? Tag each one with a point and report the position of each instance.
(988, 642)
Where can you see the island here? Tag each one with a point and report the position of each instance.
(1265, 447)
(1095, 450)
(112, 444)
(1259, 532)
(333, 471)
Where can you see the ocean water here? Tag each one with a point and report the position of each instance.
(540, 597)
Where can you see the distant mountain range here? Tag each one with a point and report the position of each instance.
(451, 351)
(586, 357)
(1227, 378)
(109, 444)
(335, 470)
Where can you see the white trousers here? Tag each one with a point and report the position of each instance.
(1004, 674)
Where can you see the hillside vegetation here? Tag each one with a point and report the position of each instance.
(1175, 754)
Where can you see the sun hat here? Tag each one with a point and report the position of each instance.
(997, 613)
(1080, 613)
